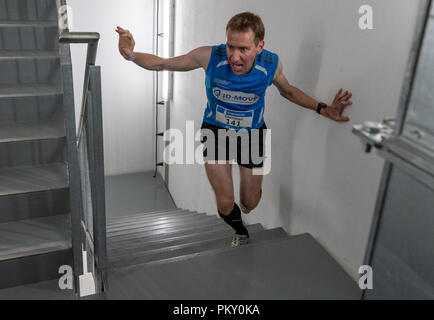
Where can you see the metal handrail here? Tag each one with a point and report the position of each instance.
(91, 94)
(89, 38)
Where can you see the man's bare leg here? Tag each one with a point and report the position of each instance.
(250, 189)
(220, 178)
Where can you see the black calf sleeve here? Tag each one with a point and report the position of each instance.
(235, 221)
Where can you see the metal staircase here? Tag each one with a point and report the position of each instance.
(49, 206)
(169, 236)
(35, 226)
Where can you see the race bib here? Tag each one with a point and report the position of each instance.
(241, 119)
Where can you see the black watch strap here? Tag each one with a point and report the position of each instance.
(321, 105)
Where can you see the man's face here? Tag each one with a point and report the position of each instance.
(242, 50)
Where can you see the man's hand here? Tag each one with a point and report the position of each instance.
(126, 43)
(335, 110)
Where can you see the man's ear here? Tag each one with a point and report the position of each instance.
(260, 47)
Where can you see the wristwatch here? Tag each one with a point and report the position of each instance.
(321, 105)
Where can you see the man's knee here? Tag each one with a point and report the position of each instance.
(250, 202)
(225, 204)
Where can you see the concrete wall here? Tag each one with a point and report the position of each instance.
(127, 90)
(321, 181)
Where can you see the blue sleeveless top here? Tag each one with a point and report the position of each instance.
(237, 101)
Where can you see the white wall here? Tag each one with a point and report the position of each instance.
(127, 90)
(321, 181)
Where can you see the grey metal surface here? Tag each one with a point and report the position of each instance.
(152, 246)
(133, 239)
(45, 290)
(94, 129)
(29, 109)
(28, 10)
(33, 178)
(29, 71)
(34, 268)
(29, 38)
(295, 268)
(189, 250)
(32, 237)
(164, 228)
(76, 197)
(173, 238)
(401, 240)
(27, 54)
(422, 18)
(34, 205)
(137, 217)
(24, 131)
(28, 90)
(152, 221)
(136, 193)
(419, 122)
(34, 152)
(26, 23)
(188, 228)
(402, 258)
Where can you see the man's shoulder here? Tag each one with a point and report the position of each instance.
(268, 58)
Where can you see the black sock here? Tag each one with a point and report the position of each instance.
(235, 221)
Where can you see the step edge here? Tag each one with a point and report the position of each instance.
(197, 254)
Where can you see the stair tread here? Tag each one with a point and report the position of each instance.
(26, 131)
(186, 228)
(137, 217)
(195, 249)
(28, 54)
(34, 236)
(28, 90)
(171, 243)
(156, 221)
(115, 220)
(26, 23)
(17, 180)
(294, 268)
(138, 237)
(168, 226)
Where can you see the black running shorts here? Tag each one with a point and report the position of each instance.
(246, 147)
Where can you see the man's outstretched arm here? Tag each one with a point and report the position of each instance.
(195, 59)
(295, 95)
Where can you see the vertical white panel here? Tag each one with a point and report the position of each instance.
(127, 90)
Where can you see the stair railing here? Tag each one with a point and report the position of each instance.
(86, 156)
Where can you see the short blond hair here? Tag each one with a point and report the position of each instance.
(248, 21)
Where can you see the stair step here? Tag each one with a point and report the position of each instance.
(154, 220)
(140, 239)
(28, 90)
(28, 10)
(35, 236)
(16, 36)
(19, 180)
(170, 225)
(135, 217)
(28, 54)
(196, 249)
(24, 23)
(27, 131)
(188, 228)
(136, 248)
(29, 72)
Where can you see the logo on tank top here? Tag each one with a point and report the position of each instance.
(222, 82)
(235, 97)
